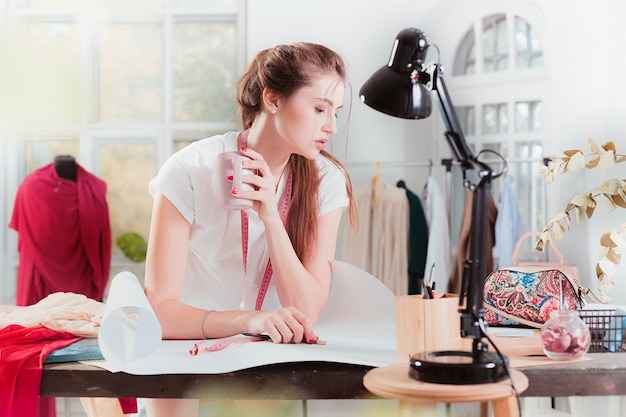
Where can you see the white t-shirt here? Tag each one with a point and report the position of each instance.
(214, 276)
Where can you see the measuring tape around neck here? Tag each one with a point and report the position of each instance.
(283, 207)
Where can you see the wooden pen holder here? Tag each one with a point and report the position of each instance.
(424, 325)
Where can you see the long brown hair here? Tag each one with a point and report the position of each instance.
(285, 69)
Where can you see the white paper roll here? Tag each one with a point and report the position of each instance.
(129, 330)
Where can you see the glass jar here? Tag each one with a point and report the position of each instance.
(565, 335)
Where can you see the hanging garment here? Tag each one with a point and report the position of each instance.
(463, 247)
(418, 242)
(438, 254)
(508, 224)
(64, 236)
(22, 353)
(381, 248)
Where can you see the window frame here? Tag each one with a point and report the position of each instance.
(511, 86)
(88, 129)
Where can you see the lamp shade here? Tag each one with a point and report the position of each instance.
(395, 89)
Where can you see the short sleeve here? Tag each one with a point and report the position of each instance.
(175, 183)
(332, 193)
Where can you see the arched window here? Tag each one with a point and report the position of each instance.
(499, 89)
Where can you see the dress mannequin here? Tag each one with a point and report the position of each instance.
(65, 165)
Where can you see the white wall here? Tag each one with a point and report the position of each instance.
(587, 91)
(362, 31)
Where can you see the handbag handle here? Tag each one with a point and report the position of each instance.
(527, 235)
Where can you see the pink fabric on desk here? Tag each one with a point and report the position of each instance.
(22, 353)
(64, 235)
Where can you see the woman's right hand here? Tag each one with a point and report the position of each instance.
(284, 325)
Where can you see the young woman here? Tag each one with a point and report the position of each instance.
(197, 279)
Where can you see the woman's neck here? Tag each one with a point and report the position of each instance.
(264, 142)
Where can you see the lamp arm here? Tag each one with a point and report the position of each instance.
(454, 132)
(477, 178)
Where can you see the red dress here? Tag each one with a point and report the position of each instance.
(64, 235)
(22, 353)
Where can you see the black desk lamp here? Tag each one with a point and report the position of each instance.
(402, 89)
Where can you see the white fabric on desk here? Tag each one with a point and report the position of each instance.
(358, 324)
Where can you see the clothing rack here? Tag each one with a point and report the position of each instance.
(445, 162)
(401, 164)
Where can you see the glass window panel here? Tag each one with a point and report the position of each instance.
(127, 168)
(130, 84)
(42, 152)
(528, 47)
(503, 36)
(48, 4)
(221, 4)
(50, 96)
(495, 118)
(529, 181)
(204, 65)
(503, 118)
(537, 116)
(488, 49)
(522, 116)
(500, 147)
(495, 43)
(490, 119)
(528, 116)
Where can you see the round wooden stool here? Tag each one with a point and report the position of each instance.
(417, 398)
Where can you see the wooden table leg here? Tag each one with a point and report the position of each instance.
(506, 407)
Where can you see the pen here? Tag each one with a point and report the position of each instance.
(430, 284)
(426, 290)
(267, 337)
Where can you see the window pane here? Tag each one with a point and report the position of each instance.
(528, 46)
(495, 43)
(528, 116)
(530, 182)
(537, 116)
(499, 147)
(49, 4)
(42, 152)
(204, 65)
(503, 118)
(130, 73)
(221, 4)
(495, 118)
(127, 168)
(42, 85)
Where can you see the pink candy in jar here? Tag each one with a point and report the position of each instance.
(565, 335)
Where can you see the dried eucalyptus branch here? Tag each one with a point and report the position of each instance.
(612, 191)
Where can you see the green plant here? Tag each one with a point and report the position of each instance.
(612, 192)
(133, 246)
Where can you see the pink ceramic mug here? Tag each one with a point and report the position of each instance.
(230, 164)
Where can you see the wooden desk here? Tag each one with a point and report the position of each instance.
(604, 374)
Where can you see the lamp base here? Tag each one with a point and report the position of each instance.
(458, 367)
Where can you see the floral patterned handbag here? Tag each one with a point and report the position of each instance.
(525, 294)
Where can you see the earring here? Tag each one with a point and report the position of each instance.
(273, 111)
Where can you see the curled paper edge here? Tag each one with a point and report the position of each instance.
(129, 330)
